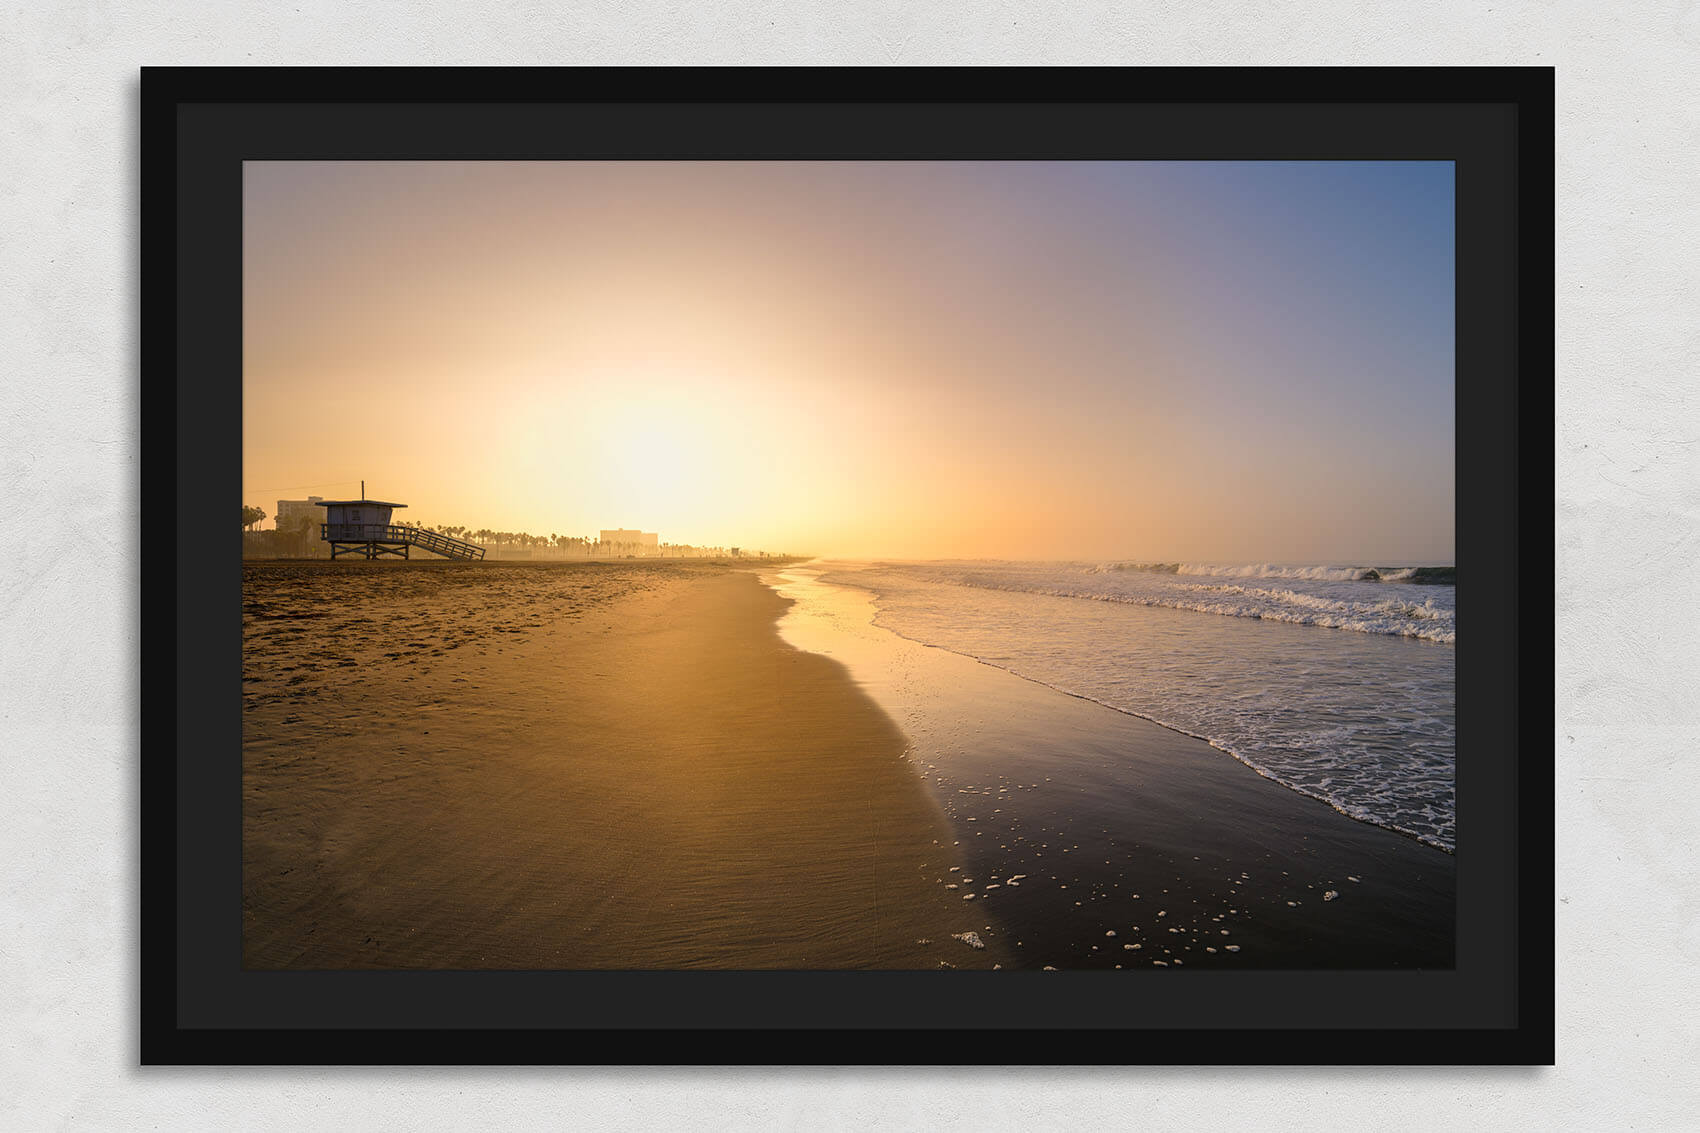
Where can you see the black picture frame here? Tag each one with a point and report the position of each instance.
(199, 1006)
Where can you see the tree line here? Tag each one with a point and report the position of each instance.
(571, 546)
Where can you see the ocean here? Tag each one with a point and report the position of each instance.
(1336, 681)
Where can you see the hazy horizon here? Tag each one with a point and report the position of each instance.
(1200, 362)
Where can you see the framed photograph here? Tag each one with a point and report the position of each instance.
(800, 569)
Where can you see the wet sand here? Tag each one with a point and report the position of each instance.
(572, 766)
(1094, 839)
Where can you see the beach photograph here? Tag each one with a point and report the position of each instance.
(822, 565)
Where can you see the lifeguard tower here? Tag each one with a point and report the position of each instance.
(363, 527)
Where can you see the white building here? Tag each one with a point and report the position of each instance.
(290, 513)
(640, 538)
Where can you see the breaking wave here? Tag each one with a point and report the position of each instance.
(1420, 575)
(1330, 597)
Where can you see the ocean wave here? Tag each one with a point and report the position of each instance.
(1385, 607)
(1427, 620)
(1431, 575)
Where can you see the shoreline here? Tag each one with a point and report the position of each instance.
(653, 780)
(1134, 844)
(1260, 772)
(1369, 730)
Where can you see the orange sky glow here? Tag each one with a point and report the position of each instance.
(1089, 360)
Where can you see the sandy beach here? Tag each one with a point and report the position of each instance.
(675, 765)
(574, 766)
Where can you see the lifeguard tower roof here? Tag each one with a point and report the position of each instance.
(358, 503)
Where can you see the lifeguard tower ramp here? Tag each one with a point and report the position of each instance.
(362, 527)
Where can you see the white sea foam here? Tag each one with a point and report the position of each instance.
(1240, 570)
(1331, 597)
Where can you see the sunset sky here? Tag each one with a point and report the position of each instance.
(1205, 361)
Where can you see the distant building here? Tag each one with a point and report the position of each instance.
(640, 538)
(291, 513)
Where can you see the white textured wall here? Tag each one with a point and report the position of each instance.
(1628, 510)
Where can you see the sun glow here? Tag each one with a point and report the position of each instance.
(1005, 359)
(654, 454)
